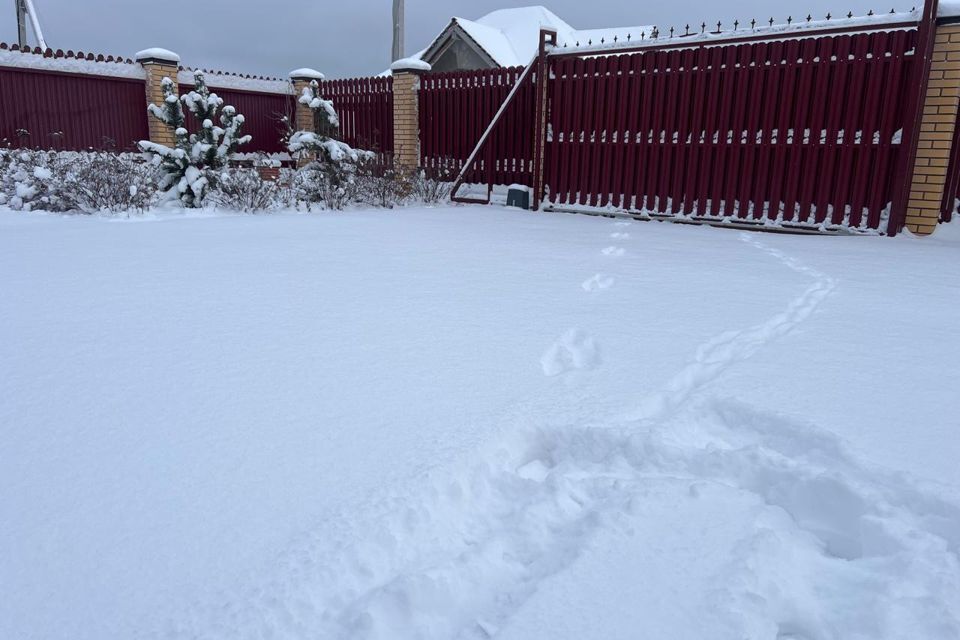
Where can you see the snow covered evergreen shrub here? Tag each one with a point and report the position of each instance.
(330, 179)
(244, 190)
(194, 161)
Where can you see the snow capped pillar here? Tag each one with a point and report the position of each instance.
(159, 65)
(934, 181)
(301, 78)
(406, 111)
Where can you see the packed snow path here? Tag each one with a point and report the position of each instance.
(575, 475)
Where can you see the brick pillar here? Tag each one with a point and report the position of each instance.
(159, 64)
(406, 111)
(303, 117)
(939, 120)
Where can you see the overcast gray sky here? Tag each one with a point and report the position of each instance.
(344, 37)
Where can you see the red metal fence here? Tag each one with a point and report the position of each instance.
(808, 127)
(802, 130)
(365, 108)
(263, 113)
(455, 109)
(70, 111)
(63, 109)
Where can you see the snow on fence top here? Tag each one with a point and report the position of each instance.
(948, 9)
(156, 53)
(236, 81)
(69, 62)
(120, 67)
(410, 64)
(305, 72)
(708, 34)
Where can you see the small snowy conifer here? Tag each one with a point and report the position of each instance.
(194, 158)
(322, 140)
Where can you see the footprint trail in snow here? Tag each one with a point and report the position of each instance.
(598, 283)
(832, 548)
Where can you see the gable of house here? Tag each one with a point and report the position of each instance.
(507, 38)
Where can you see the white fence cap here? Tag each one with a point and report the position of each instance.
(310, 74)
(156, 53)
(410, 64)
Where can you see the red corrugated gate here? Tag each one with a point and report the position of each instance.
(70, 111)
(808, 127)
(455, 109)
(802, 130)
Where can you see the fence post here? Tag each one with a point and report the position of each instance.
(542, 115)
(159, 64)
(931, 183)
(303, 116)
(406, 111)
(930, 140)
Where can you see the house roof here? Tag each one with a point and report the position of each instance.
(510, 37)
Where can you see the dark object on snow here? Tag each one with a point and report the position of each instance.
(518, 197)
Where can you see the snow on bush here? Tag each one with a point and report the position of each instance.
(190, 165)
(330, 178)
(244, 190)
(80, 182)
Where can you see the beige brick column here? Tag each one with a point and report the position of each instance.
(937, 127)
(406, 111)
(303, 116)
(159, 64)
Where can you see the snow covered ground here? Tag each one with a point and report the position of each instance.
(473, 423)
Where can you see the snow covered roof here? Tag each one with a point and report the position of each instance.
(510, 37)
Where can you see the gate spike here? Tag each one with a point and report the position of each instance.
(603, 41)
(703, 28)
(628, 37)
(771, 22)
(687, 31)
(789, 19)
(850, 14)
(578, 43)
(736, 24)
(870, 13)
(753, 24)
(809, 17)
(671, 32)
(718, 26)
(828, 15)
(614, 38)
(590, 42)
